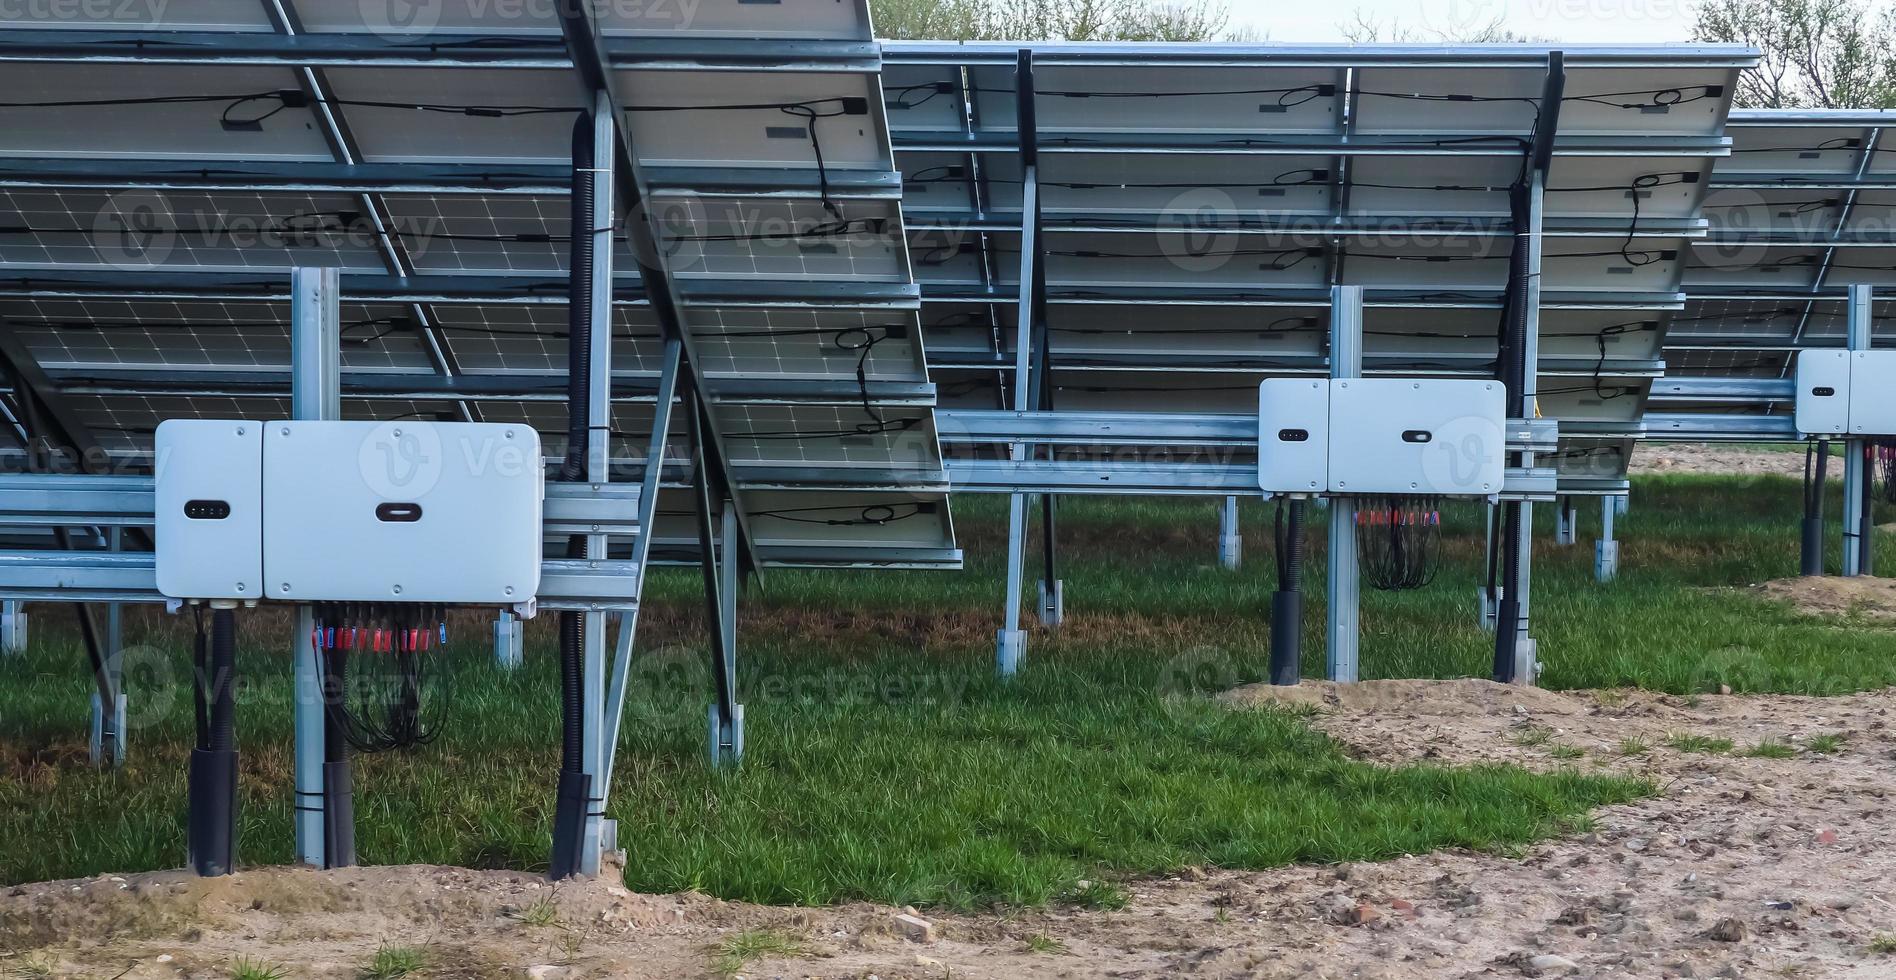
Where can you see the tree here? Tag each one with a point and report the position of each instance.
(1826, 54)
(1362, 28)
(1056, 20)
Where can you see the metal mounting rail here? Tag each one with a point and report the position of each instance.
(1724, 390)
(51, 500)
(1233, 434)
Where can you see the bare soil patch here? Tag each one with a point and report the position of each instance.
(1722, 460)
(1740, 866)
(1863, 596)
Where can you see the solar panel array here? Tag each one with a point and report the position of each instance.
(1199, 201)
(153, 204)
(1803, 208)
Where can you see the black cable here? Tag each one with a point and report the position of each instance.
(200, 673)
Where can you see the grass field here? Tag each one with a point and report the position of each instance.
(885, 762)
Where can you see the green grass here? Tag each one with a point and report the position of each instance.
(1828, 744)
(1770, 749)
(886, 763)
(541, 913)
(1882, 944)
(395, 962)
(1702, 744)
(1633, 746)
(245, 968)
(736, 952)
(1045, 945)
(1562, 751)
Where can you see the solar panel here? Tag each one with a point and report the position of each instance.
(1798, 212)
(773, 191)
(1234, 186)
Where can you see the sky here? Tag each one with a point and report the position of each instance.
(1579, 21)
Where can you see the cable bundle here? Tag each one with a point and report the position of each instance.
(1398, 542)
(1883, 467)
(394, 705)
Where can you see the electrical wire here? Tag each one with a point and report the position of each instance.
(1398, 541)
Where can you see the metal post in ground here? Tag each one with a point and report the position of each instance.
(1856, 462)
(315, 395)
(1816, 481)
(509, 640)
(1345, 583)
(1606, 551)
(1566, 522)
(107, 743)
(1230, 541)
(13, 619)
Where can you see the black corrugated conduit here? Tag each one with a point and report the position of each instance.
(569, 817)
(1507, 620)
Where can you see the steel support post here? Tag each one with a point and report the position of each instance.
(315, 395)
(1816, 483)
(1606, 551)
(1526, 667)
(1011, 642)
(1230, 541)
(662, 409)
(596, 739)
(1515, 657)
(1490, 601)
(13, 620)
(509, 640)
(107, 742)
(1622, 504)
(1566, 522)
(1052, 590)
(1856, 462)
(727, 715)
(1345, 580)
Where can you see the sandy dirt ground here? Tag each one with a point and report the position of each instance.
(1722, 460)
(1741, 866)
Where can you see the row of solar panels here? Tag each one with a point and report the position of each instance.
(1198, 202)
(162, 178)
(1803, 208)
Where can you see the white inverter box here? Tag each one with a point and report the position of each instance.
(1418, 437)
(1293, 435)
(1823, 392)
(208, 510)
(402, 511)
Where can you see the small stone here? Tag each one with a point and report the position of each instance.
(1724, 688)
(1827, 836)
(1548, 961)
(1727, 931)
(1364, 914)
(921, 960)
(1574, 915)
(916, 928)
(1406, 907)
(546, 973)
(164, 957)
